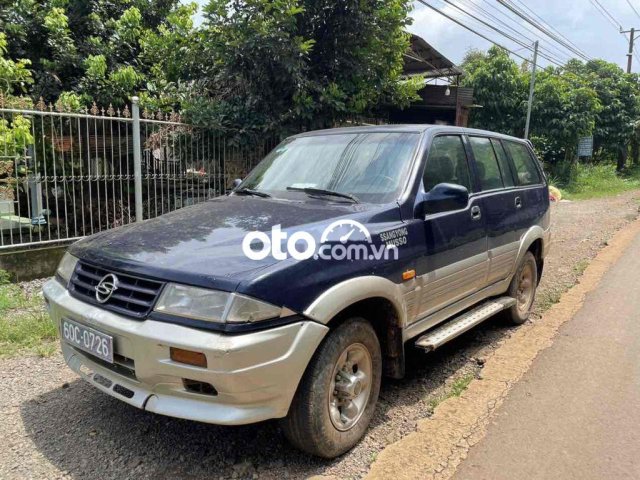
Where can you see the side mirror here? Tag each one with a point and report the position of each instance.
(445, 197)
(236, 183)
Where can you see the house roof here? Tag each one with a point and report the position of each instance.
(423, 59)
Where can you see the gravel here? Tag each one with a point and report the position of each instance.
(54, 425)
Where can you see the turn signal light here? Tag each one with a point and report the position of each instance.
(187, 356)
(408, 275)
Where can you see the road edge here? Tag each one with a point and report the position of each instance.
(442, 441)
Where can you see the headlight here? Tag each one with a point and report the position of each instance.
(212, 305)
(66, 268)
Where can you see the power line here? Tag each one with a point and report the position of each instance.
(423, 2)
(544, 22)
(555, 52)
(606, 13)
(633, 8)
(523, 15)
(503, 33)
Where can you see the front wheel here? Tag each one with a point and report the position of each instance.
(523, 289)
(337, 396)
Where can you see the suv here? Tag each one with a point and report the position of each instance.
(291, 297)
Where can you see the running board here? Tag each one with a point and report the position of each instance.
(460, 324)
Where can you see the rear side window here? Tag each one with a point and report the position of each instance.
(486, 163)
(446, 163)
(503, 161)
(526, 169)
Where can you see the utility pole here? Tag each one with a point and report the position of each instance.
(632, 39)
(532, 84)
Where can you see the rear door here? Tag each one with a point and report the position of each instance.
(498, 199)
(455, 261)
(531, 195)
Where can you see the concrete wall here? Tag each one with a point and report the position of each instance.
(28, 264)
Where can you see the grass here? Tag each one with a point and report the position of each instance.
(581, 266)
(457, 387)
(25, 327)
(593, 181)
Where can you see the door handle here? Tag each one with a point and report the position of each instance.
(518, 202)
(476, 214)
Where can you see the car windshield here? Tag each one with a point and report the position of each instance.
(371, 167)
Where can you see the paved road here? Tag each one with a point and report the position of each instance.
(576, 413)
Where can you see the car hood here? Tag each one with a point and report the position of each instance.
(202, 244)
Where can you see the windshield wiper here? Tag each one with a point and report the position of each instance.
(251, 191)
(322, 191)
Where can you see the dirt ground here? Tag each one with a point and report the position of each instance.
(53, 425)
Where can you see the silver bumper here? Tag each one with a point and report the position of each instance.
(255, 374)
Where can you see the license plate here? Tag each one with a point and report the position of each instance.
(87, 339)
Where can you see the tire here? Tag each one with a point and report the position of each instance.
(327, 418)
(523, 289)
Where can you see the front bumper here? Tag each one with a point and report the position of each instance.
(255, 374)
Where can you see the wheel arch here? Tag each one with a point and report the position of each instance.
(533, 241)
(376, 299)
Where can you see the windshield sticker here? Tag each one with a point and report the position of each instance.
(395, 238)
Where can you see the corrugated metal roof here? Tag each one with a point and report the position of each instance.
(423, 59)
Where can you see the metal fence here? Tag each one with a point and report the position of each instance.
(66, 175)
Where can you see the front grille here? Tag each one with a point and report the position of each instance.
(134, 297)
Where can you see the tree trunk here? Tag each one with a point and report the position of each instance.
(635, 152)
(622, 158)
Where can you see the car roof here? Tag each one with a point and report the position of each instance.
(408, 128)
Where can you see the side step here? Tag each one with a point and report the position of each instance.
(460, 324)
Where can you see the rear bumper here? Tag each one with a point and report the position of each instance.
(255, 374)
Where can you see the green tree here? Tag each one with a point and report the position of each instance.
(565, 107)
(89, 47)
(499, 87)
(15, 75)
(300, 64)
(619, 96)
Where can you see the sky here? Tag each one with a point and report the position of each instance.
(578, 20)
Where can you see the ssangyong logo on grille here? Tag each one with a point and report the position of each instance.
(108, 284)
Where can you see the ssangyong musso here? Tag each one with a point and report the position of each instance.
(291, 297)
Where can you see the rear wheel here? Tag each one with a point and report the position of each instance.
(523, 289)
(337, 396)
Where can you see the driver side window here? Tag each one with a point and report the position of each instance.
(447, 163)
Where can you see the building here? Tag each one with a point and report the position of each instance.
(441, 102)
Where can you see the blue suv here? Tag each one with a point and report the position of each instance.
(291, 297)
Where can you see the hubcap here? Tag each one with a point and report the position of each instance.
(524, 295)
(350, 386)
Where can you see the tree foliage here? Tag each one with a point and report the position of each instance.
(301, 64)
(96, 48)
(499, 87)
(579, 99)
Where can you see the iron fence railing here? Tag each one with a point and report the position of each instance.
(66, 175)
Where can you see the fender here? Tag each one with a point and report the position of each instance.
(534, 233)
(342, 295)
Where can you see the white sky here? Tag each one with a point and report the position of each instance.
(577, 20)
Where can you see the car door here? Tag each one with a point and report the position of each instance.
(498, 201)
(531, 201)
(455, 260)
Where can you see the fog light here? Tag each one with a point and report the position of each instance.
(187, 356)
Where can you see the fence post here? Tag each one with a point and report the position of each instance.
(137, 158)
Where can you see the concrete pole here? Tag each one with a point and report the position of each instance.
(137, 158)
(532, 84)
(630, 54)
